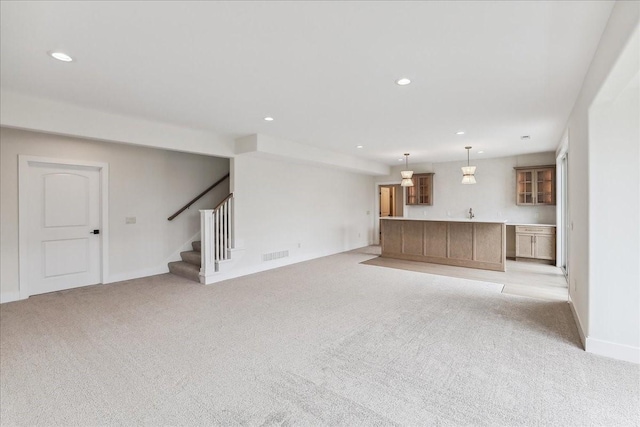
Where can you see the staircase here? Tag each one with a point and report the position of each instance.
(205, 260)
(216, 230)
(189, 267)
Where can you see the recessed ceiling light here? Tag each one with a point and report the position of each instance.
(403, 81)
(60, 56)
(524, 137)
(480, 152)
(359, 146)
(460, 132)
(268, 119)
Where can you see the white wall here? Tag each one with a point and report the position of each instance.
(585, 295)
(614, 210)
(492, 198)
(311, 211)
(149, 184)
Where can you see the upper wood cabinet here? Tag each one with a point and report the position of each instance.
(535, 185)
(422, 191)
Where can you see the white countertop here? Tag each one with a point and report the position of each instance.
(532, 225)
(443, 219)
(466, 220)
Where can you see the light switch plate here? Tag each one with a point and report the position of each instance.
(130, 220)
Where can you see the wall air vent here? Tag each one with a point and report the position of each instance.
(275, 255)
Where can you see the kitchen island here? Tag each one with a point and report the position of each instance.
(463, 243)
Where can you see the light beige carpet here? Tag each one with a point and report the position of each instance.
(521, 278)
(325, 342)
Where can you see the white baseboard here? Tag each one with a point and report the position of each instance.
(264, 266)
(604, 348)
(10, 297)
(15, 296)
(576, 317)
(137, 274)
(613, 350)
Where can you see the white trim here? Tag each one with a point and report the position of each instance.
(23, 165)
(576, 317)
(613, 350)
(562, 150)
(9, 297)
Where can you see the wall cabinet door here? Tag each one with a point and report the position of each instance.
(422, 191)
(525, 191)
(545, 186)
(536, 185)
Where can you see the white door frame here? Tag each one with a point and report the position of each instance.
(562, 216)
(23, 167)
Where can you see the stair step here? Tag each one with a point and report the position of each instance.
(186, 270)
(192, 257)
(196, 246)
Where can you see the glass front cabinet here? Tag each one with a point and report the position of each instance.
(422, 191)
(535, 185)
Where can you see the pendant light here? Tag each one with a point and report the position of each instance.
(468, 172)
(406, 174)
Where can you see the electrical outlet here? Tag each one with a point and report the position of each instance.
(299, 245)
(130, 220)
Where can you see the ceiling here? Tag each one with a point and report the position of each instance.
(325, 71)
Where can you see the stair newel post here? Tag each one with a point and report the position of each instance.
(216, 229)
(207, 252)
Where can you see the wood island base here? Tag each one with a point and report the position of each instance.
(472, 244)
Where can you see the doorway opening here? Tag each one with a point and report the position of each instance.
(391, 203)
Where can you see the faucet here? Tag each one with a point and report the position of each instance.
(471, 215)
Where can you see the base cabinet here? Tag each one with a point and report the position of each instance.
(536, 243)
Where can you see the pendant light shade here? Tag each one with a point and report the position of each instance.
(406, 174)
(468, 172)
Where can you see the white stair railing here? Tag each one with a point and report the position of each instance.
(216, 229)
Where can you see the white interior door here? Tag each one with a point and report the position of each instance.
(63, 212)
